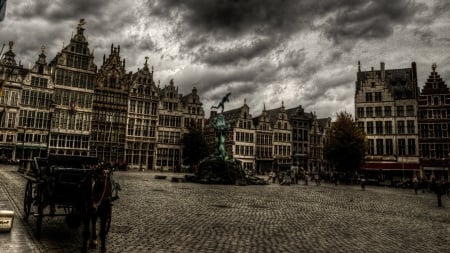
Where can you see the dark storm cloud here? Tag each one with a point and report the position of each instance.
(214, 56)
(372, 20)
(58, 10)
(227, 20)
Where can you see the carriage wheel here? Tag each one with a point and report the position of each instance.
(28, 200)
(40, 206)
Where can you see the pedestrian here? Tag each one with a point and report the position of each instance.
(415, 184)
(306, 178)
(271, 176)
(317, 178)
(438, 187)
(274, 178)
(363, 183)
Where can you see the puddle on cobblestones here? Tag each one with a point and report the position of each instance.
(221, 206)
(120, 229)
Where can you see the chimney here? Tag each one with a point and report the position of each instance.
(383, 74)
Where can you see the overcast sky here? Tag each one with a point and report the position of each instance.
(302, 52)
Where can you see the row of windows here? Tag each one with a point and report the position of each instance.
(385, 127)
(282, 137)
(168, 157)
(111, 98)
(34, 119)
(264, 152)
(435, 150)
(78, 61)
(109, 118)
(69, 141)
(434, 114)
(386, 147)
(386, 111)
(74, 79)
(9, 98)
(282, 150)
(244, 137)
(169, 137)
(68, 121)
(300, 135)
(170, 106)
(263, 139)
(373, 97)
(247, 124)
(243, 150)
(144, 128)
(194, 109)
(196, 123)
(79, 99)
(8, 120)
(437, 130)
(36, 98)
(31, 137)
(169, 121)
(39, 82)
(142, 107)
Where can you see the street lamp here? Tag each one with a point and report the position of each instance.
(51, 110)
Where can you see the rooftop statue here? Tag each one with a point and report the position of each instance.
(222, 103)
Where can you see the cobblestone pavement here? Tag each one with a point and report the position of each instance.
(154, 215)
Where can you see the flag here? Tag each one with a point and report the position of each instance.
(2, 9)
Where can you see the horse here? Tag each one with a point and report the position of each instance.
(99, 189)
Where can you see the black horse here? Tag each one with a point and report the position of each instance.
(98, 189)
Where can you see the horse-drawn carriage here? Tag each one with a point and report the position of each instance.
(77, 187)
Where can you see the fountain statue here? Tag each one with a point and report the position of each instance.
(218, 168)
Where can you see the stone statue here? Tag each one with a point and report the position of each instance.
(221, 128)
(222, 103)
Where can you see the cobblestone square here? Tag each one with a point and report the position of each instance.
(157, 215)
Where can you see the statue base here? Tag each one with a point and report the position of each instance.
(215, 170)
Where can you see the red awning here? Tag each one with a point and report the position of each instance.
(390, 166)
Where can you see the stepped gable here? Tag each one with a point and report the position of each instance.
(434, 83)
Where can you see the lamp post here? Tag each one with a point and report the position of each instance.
(51, 110)
(23, 140)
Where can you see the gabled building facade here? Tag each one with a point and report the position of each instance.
(434, 125)
(386, 109)
(110, 109)
(142, 120)
(35, 109)
(12, 75)
(73, 73)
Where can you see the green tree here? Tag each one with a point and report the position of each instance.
(345, 144)
(194, 147)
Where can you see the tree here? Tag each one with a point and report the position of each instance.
(345, 144)
(194, 147)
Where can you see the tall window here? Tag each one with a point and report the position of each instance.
(370, 127)
(371, 149)
(369, 97)
(387, 111)
(409, 110)
(400, 127)
(369, 112)
(400, 111)
(360, 111)
(380, 147)
(378, 111)
(411, 146)
(388, 127)
(377, 96)
(401, 147)
(389, 147)
(379, 127)
(410, 126)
